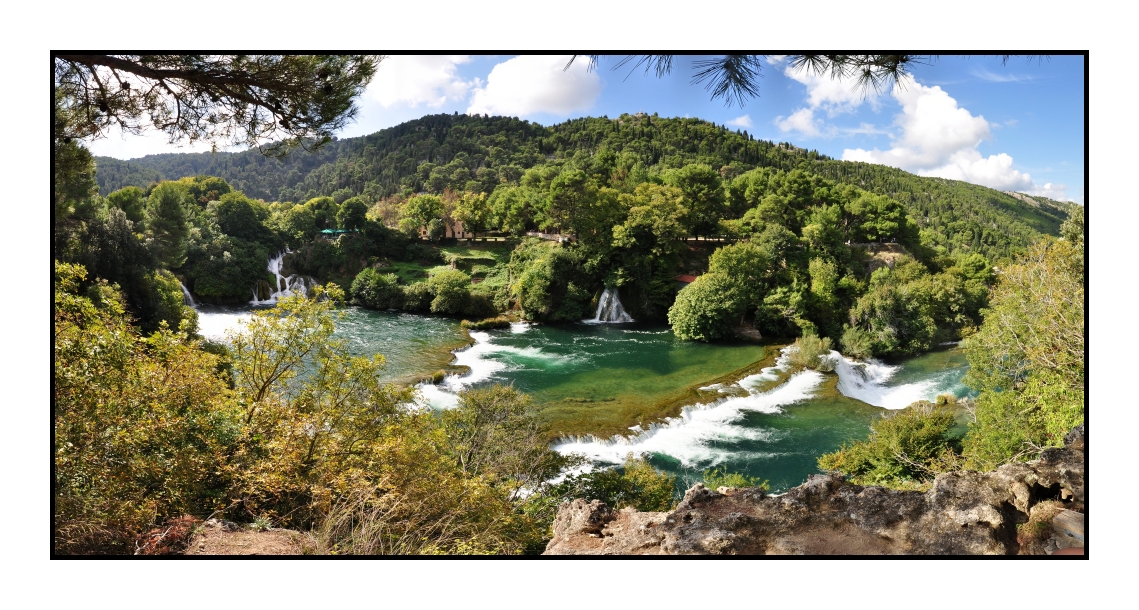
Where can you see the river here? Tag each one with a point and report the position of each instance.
(608, 390)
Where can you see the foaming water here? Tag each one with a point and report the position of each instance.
(700, 436)
(216, 324)
(609, 309)
(697, 437)
(586, 378)
(876, 383)
(432, 396)
(282, 286)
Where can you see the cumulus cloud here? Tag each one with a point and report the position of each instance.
(834, 95)
(530, 84)
(741, 121)
(431, 80)
(939, 138)
(829, 95)
(802, 120)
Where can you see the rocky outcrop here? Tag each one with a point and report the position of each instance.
(963, 513)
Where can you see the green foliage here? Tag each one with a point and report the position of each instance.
(857, 342)
(495, 432)
(452, 290)
(707, 309)
(704, 201)
(487, 324)
(906, 449)
(75, 190)
(142, 427)
(418, 212)
(747, 267)
(131, 200)
(1016, 424)
(418, 297)
(812, 352)
(352, 214)
(166, 224)
(285, 100)
(715, 478)
(223, 269)
(376, 290)
(1035, 321)
(240, 217)
(636, 484)
(169, 307)
(1027, 358)
(549, 280)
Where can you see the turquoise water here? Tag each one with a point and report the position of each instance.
(608, 390)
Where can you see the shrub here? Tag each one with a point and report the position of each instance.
(812, 352)
(905, 450)
(452, 290)
(857, 342)
(715, 478)
(142, 426)
(422, 253)
(487, 324)
(636, 484)
(706, 310)
(375, 290)
(417, 297)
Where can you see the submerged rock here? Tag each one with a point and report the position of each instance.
(963, 513)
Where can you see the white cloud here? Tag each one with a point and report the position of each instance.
(741, 121)
(530, 84)
(412, 80)
(802, 120)
(863, 129)
(830, 95)
(939, 138)
(993, 77)
(835, 95)
(775, 60)
(150, 142)
(1059, 192)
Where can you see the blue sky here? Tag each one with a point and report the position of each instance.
(1017, 126)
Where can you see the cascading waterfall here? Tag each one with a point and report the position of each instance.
(187, 299)
(867, 381)
(282, 286)
(609, 309)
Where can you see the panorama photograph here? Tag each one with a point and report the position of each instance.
(549, 305)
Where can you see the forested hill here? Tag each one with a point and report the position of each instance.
(476, 153)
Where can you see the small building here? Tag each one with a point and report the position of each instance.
(684, 280)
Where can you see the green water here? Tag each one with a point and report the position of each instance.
(604, 378)
(608, 390)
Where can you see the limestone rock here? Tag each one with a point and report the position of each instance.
(963, 513)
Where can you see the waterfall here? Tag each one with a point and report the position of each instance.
(186, 298)
(609, 309)
(867, 381)
(282, 286)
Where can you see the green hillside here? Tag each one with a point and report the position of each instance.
(477, 153)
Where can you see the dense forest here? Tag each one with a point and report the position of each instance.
(477, 153)
(285, 426)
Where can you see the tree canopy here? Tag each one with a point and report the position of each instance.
(288, 100)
